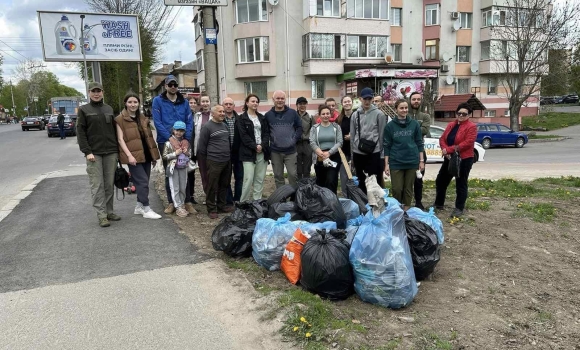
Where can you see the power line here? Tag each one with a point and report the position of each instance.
(12, 56)
(15, 50)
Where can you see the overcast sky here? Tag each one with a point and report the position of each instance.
(20, 37)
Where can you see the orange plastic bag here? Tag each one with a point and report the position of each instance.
(291, 259)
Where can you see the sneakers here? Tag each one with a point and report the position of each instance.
(212, 215)
(181, 212)
(227, 209)
(151, 215)
(456, 213)
(139, 211)
(438, 207)
(190, 209)
(170, 209)
(113, 217)
(104, 222)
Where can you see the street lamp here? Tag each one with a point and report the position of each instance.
(82, 42)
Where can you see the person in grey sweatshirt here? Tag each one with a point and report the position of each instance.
(285, 130)
(367, 123)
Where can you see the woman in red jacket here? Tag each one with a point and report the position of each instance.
(459, 136)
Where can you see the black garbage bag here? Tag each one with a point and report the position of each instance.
(424, 247)
(341, 235)
(326, 270)
(233, 235)
(354, 193)
(319, 204)
(278, 210)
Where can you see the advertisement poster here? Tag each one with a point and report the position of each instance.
(105, 37)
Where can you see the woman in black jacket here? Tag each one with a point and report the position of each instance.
(254, 148)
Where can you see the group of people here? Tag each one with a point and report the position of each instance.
(218, 142)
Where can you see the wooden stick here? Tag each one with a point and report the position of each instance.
(345, 163)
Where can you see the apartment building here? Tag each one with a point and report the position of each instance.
(328, 48)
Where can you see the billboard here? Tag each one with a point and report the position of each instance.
(106, 37)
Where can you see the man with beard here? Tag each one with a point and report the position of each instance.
(424, 121)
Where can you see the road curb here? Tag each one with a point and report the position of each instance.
(555, 139)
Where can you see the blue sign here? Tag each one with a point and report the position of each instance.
(210, 36)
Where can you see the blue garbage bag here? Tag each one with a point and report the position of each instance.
(382, 262)
(269, 240)
(352, 226)
(351, 209)
(312, 227)
(430, 219)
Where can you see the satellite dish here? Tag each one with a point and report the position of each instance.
(456, 26)
(274, 2)
(449, 80)
(474, 67)
(389, 57)
(447, 56)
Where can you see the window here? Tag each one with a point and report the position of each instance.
(197, 29)
(462, 86)
(492, 86)
(259, 88)
(396, 16)
(199, 58)
(432, 15)
(463, 53)
(504, 128)
(253, 50)
(367, 46)
(396, 50)
(378, 9)
(432, 50)
(325, 8)
(466, 20)
(435, 132)
(317, 89)
(485, 50)
(489, 113)
(482, 127)
(321, 46)
(251, 11)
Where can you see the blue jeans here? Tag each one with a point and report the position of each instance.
(238, 170)
(61, 131)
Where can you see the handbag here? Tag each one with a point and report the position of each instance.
(454, 164)
(121, 179)
(364, 145)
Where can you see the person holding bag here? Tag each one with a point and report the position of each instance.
(138, 149)
(254, 148)
(458, 141)
(325, 140)
(403, 153)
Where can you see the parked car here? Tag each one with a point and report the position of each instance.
(69, 127)
(32, 123)
(433, 150)
(547, 100)
(495, 134)
(46, 118)
(570, 99)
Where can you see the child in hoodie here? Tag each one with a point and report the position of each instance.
(177, 153)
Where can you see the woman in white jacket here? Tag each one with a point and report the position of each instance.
(199, 120)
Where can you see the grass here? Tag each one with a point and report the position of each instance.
(539, 212)
(433, 341)
(540, 137)
(552, 120)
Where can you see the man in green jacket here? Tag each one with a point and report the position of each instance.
(424, 121)
(97, 139)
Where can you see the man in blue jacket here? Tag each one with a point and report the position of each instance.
(168, 108)
(285, 130)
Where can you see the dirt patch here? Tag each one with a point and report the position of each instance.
(508, 279)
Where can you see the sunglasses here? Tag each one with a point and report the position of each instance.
(367, 98)
(96, 90)
(172, 84)
(462, 114)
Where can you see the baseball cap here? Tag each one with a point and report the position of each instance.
(301, 100)
(170, 78)
(179, 125)
(367, 93)
(95, 85)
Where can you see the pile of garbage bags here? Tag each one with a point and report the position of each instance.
(335, 247)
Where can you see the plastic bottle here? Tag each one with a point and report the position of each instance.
(90, 41)
(419, 175)
(65, 33)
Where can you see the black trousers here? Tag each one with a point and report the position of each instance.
(461, 183)
(371, 164)
(328, 176)
(418, 186)
(219, 177)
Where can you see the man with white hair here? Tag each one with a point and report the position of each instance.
(285, 131)
(231, 120)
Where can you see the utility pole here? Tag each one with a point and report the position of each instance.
(210, 54)
(12, 93)
(82, 42)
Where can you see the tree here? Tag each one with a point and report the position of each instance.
(557, 81)
(155, 24)
(575, 71)
(1, 75)
(522, 33)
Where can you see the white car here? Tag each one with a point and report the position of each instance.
(433, 150)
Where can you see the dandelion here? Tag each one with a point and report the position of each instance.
(295, 329)
(302, 319)
(308, 335)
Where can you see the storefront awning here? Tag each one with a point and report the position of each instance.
(449, 103)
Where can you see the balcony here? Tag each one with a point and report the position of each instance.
(256, 69)
(323, 67)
